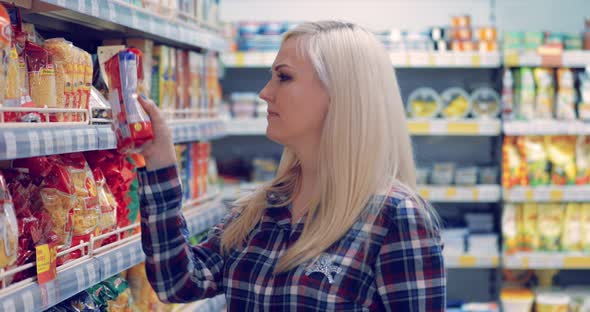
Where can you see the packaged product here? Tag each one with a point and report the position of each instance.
(12, 96)
(82, 302)
(78, 78)
(583, 159)
(105, 53)
(183, 82)
(511, 217)
(517, 299)
(8, 227)
(5, 47)
(41, 73)
(566, 95)
(512, 163)
(143, 296)
(485, 102)
(550, 226)
(562, 155)
(100, 107)
(525, 94)
(466, 175)
(120, 300)
(545, 102)
(133, 126)
(424, 103)
(488, 175)
(88, 72)
(61, 51)
(537, 161)
(443, 173)
(552, 301)
(195, 81)
(146, 47)
(170, 102)
(529, 227)
(571, 239)
(456, 103)
(108, 204)
(585, 211)
(161, 76)
(584, 105)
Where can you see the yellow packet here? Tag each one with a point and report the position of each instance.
(510, 231)
(545, 102)
(562, 155)
(550, 226)
(583, 159)
(585, 212)
(572, 237)
(529, 235)
(537, 161)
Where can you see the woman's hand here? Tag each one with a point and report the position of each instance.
(160, 152)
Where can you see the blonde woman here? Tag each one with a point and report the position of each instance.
(341, 227)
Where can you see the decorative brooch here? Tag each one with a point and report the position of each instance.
(324, 265)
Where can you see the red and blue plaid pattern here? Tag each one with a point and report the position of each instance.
(402, 269)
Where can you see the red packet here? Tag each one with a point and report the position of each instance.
(46, 263)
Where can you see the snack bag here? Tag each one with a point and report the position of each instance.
(562, 152)
(133, 126)
(62, 58)
(525, 94)
(536, 158)
(566, 95)
(545, 93)
(510, 220)
(8, 227)
(585, 211)
(41, 76)
(108, 204)
(584, 105)
(550, 226)
(572, 237)
(583, 159)
(59, 200)
(529, 234)
(512, 163)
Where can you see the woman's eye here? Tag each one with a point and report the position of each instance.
(283, 77)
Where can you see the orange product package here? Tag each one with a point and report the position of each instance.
(41, 73)
(108, 204)
(132, 124)
(512, 163)
(562, 155)
(8, 227)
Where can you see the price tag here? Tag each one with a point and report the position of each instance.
(112, 12)
(95, 8)
(463, 127)
(551, 55)
(240, 59)
(46, 263)
(525, 262)
(556, 195)
(419, 127)
(529, 195)
(495, 261)
(476, 60)
(82, 6)
(135, 20)
(576, 262)
(475, 194)
(511, 58)
(467, 261)
(425, 193)
(431, 60)
(451, 193)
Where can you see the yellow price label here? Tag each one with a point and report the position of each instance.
(467, 261)
(495, 262)
(476, 60)
(418, 127)
(451, 192)
(511, 58)
(408, 60)
(43, 258)
(525, 262)
(240, 58)
(463, 128)
(46, 263)
(529, 195)
(576, 262)
(425, 193)
(475, 194)
(556, 195)
(431, 60)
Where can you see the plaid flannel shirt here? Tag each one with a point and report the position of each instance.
(402, 271)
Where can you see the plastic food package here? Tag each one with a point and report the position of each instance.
(562, 153)
(8, 227)
(552, 302)
(443, 173)
(510, 230)
(572, 237)
(105, 53)
(537, 161)
(5, 47)
(485, 102)
(508, 105)
(525, 94)
(545, 102)
(585, 211)
(488, 175)
(41, 76)
(550, 226)
(60, 51)
(456, 102)
(583, 159)
(196, 80)
(566, 95)
(466, 175)
(143, 296)
(529, 226)
(59, 199)
(424, 103)
(133, 126)
(516, 300)
(99, 106)
(584, 105)
(512, 163)
(12, 96)
(422, 175)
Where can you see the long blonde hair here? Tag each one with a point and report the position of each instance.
(365, 145)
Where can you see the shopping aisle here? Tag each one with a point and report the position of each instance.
(69, 182)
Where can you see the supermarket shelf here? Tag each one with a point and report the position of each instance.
(123, 17)
(540, 260)
(577, 59)
(546, 127)
(473, 127)
(465, 127)
(549, 193)
(487, 193)
(413, 59)
(37, 141)
(468, 261)
(201, 130)
(76, 278)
